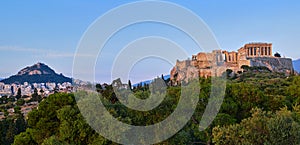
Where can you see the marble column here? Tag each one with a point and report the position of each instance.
(248, 51)
(235, 56)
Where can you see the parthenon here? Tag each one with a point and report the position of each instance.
(250, 50)
(234, 60)
(209, 64)
(258, 49)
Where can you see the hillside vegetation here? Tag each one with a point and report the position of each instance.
(259, 108)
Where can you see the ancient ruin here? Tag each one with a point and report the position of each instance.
(217, 62)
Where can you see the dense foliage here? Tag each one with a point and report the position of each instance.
(11, 126)
(259, 107)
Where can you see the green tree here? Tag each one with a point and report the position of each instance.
(293, 90)
(98, 88)
(44, 121)
(57, 121)
(53, 140)
(129, 84)
(24, 138)
(42, 92)
(245, 67)
(283, 129)
(10, 133)
(35, 96)
(277, 54)
(262, 128)
(19, 93)
(20, 102)
(162, 77)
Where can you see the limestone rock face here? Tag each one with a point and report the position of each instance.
(284, 65)
(36, 69)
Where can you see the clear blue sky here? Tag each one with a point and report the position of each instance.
(48, 31)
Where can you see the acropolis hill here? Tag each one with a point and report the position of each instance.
(218, 61)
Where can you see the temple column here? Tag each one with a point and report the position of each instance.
(235, 58)
(266, 52)
(228, 56)
(221, 58)
(260, 51)
(256, 52)
(248, 51)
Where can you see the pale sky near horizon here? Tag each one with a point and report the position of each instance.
(48, 31)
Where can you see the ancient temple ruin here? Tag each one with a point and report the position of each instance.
(217, 62)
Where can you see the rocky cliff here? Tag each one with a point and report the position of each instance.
(275, 64)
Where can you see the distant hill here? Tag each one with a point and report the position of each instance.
(296, 64)
(149, 81)
(38, 73)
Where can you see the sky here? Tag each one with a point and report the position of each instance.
(49, 31)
